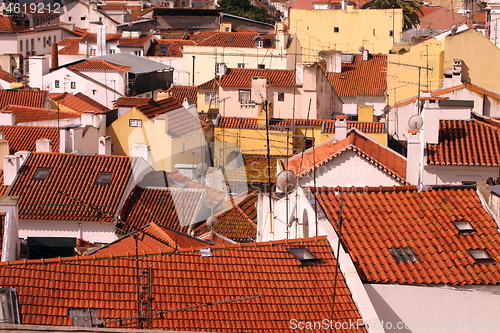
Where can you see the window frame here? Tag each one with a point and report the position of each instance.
(135, 123)
(104, 178)
(211, 97)
(243, 95)
(41, 174)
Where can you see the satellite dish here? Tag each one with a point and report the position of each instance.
(201, 169)
(286, 181)
(361, 49)
(386, 109)
(212, 222)
(454, 28)
(415, 122)
(17, 73)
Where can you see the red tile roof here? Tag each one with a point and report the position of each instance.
(8, 26)
(235, 39)
(133, 101)
(254, 171)
(374, 220)
(92, 37)
(242, 77)
(169, 47)
(72, 46)
(3, 188)
(384, 158)
(79, 102)
(69, 192)
(26, 114)
(210, 84)
(442, 19)
(151, 238)
(134, 41)
(25, 137)
(7, 76)
(361, 77)
(462, 142)
(238, 221)
(363, 126)
(182, 92)
(32, 98)
(158, 107)
(98, 64)
(259, 286)
(171, 207)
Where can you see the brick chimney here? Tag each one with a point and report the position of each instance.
(54, 56)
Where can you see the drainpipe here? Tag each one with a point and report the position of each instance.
(193, 71)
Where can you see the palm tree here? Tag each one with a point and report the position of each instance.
(411, 9)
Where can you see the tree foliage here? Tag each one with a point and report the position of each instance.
(244, 8)
(411, 9)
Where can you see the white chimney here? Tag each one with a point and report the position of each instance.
(7, 118)
(333, 61)
(38, 67)
(414, 157)
(299, 74)
(366, 55)
(87, 118)
(104, 145)
(11, 165)
(456, 78)
(43, 146)
(142, 150)
(23, 156)
(341, 127)
(431, 115)
(101, 40)
(221, 69)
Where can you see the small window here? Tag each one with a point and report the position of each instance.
(73, 85)
(135, 123)
(104, 178)
(70, 18)
(244, 96)
(37, 21)
(308, 143)
(94, 91)
(44, 41)
(336, 29)
(481, 256)
(281, 96)
(20, 46)
(391, 33)
(111, 51)
(259, 43)
(403, 254)
(41, 174)
(82, 18)
(463, 227)
(261, 66)
(241, 65)
(211, 97)
(43, 20)
(56, 83)
(9, 310)
(305, 256)
(138, 53)
(92, 52)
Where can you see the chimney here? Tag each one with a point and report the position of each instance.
(101, 40)
(11, 165)
(365, 113)
(341, 127)
(142, 150)
(7, 118)
(281, 36)
(38, 67)
(221, 69)
(456, 78)
(431, 115)
(414, 157)
(87, 118)
(333, 61)
(43, 146)
(54, 56)
(366, 55)
(299, 74)
(4, 150)
(104, 145)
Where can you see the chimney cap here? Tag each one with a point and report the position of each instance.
(341, 116)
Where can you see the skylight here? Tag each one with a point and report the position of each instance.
(463, 227)
(481, 256)
(104, 178)
(305, 256)
(403, 254)
(230, 39)
(41, 174)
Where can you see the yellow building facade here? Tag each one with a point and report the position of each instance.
(345, 30)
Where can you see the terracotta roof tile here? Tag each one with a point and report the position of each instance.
(152, 238)
(242, 77)
(182, 92)
(169, 47)
(71, 183)
(92, 37)
(235, 39)
(71, 46)
(361, 77)
(134, 41)
(133, 101)
(210, 84)
(7, 76)
(363, 126)
(462, 142)
(32, 98)
(386, 159)
(79, 102)
(98, 64)
(274, 283)
(8, 26)
(254, 171)
(374, 220)
(25, 137)
(26, 114)
(158, 107)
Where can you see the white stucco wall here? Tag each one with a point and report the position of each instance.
(348, 169)
(444, 174)
(443, 309)
(351, 104)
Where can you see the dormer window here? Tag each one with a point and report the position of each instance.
(305, 256)
(41, 174)
(104, 178)
(9, 313)
(463, 227)
(259, 42)
(481, 256)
